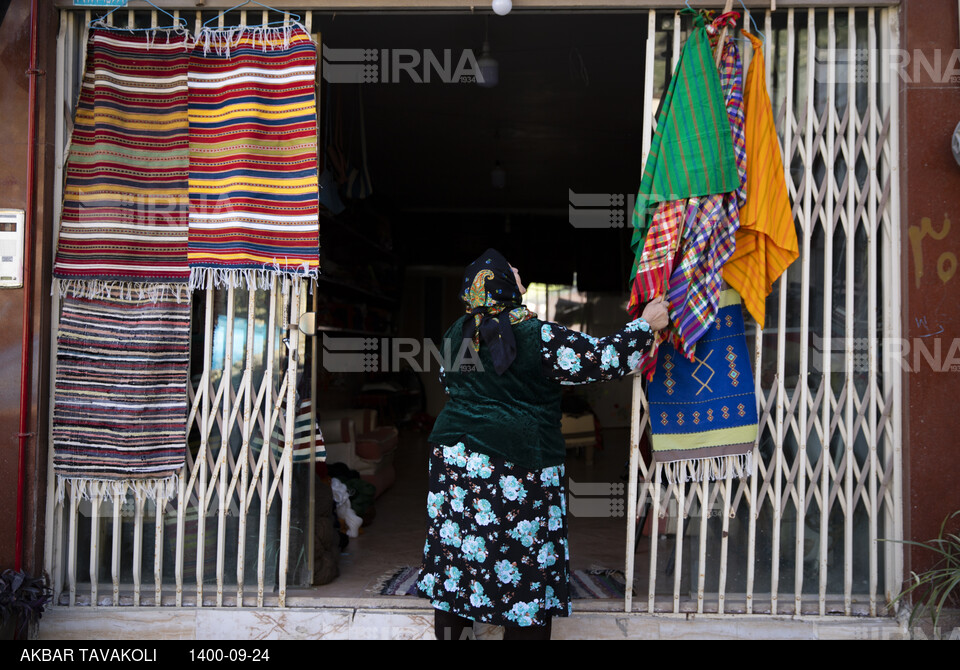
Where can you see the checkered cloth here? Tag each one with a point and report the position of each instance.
(659, 250)
(694, 291)
(731, 80)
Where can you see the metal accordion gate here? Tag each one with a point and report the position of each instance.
(236, 532)
(805, 534)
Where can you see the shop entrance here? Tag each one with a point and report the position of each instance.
(435, 167)
(457, 165)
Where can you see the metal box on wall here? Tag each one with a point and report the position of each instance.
(11, 248)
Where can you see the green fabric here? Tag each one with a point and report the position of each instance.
(691, 153)
(515, 415)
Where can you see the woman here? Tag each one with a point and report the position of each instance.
(496, 548)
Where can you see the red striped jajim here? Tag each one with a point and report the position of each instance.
(124, 213)
(254, 196)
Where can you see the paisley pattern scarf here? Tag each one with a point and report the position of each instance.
(489, 290)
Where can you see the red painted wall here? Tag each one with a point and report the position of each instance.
(931, 280)
(14, 63)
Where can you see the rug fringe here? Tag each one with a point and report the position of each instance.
(156, 489)
(222, 40)
(98, 289)
(388, 577)
(736, 466)
(248, 278)
(151, 34)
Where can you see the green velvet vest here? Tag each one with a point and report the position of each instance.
(515, 415)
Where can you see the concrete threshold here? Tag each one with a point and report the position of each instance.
(399, 619)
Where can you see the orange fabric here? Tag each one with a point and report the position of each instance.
(767, 238)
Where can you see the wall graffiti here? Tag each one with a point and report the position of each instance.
(946, 262)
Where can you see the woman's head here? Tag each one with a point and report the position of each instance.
(490, 281)
(493, 294)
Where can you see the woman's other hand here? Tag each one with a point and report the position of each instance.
(655, 313)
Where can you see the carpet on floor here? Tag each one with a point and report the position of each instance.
(586, 584)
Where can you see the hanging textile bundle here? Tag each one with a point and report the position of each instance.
(254, 193)
(702, 400)
(120, 406)
(124, 221)
(694, 287)
(703, 414)
(691, 239)
(691, 153)
(766, 242)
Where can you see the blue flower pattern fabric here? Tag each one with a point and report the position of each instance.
(571, 357)
(491, 554)
(496, 549)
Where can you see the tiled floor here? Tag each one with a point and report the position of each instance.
(395, 537)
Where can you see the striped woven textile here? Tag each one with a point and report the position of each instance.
(254, 195)
(120, 402)
(302, 444)
(767, 238)
(124, 218)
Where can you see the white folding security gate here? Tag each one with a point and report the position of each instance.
(235, 511)
(803, 535)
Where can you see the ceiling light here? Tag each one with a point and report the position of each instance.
(489, 68)
(502, 7)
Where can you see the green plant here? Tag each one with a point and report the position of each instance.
(940, 585)
(22, 600)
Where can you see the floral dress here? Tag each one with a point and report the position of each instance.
(496, 548)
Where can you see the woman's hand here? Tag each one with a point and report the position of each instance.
(655, 313)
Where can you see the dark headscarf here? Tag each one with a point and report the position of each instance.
(489, 289)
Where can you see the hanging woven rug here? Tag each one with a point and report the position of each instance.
(120, 404)
(254, 195)
(124, 220)
(703, 413)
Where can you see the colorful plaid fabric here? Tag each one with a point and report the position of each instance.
(120, 402)
(694, 287)
(124, 214)
(659, 250)
(691, 153)
(254, 206)
(694, 291)
(767, 237)
(731, 80)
